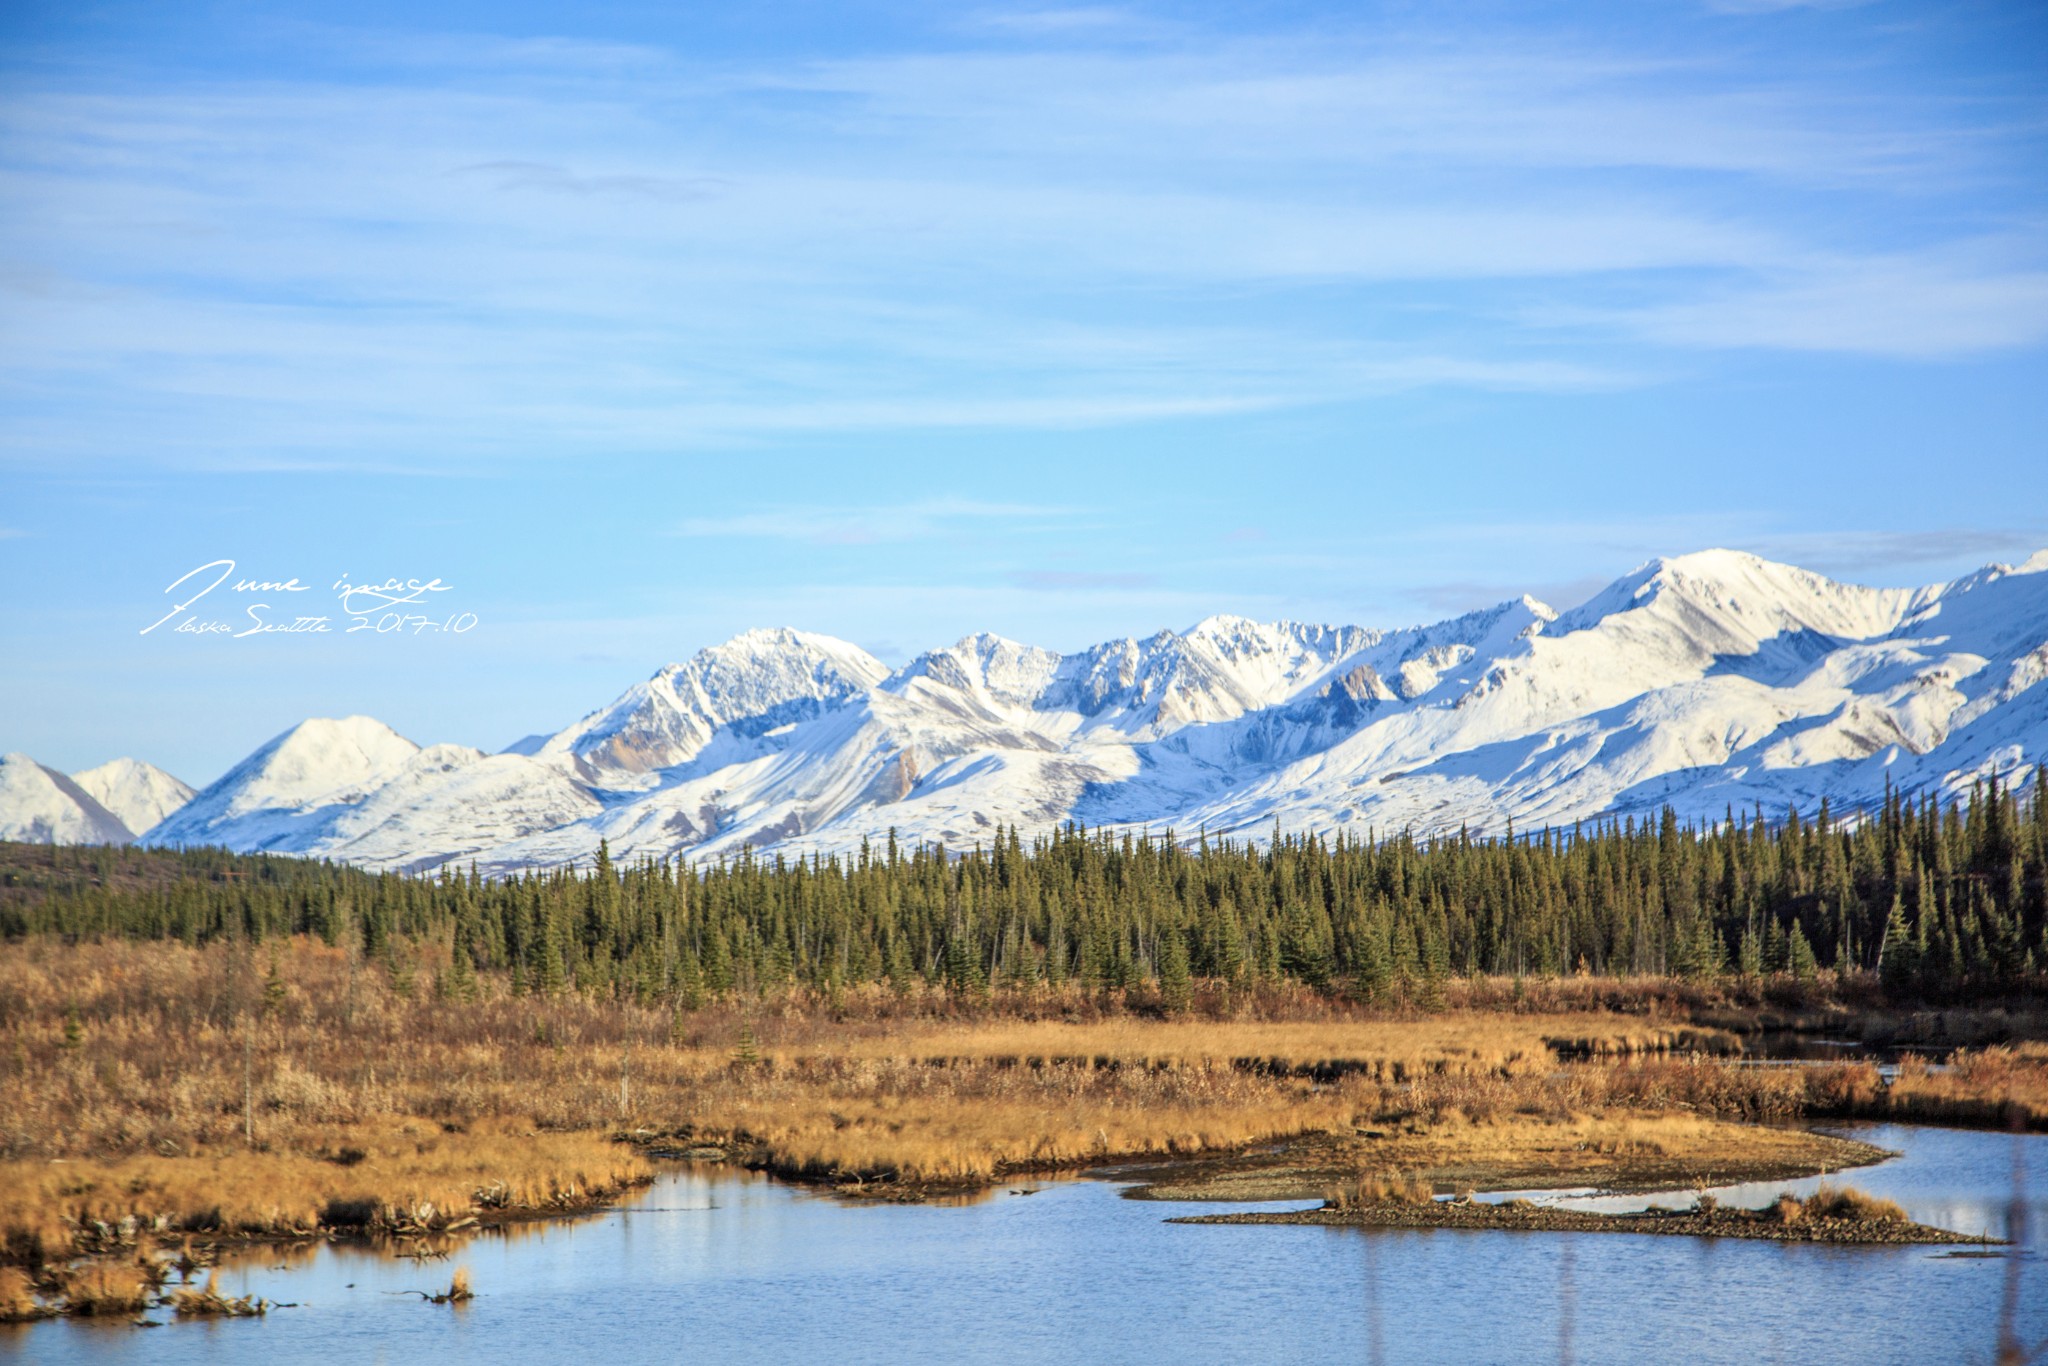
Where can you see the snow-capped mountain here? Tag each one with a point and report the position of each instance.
(282, 795)
(1707, 681)
(42, 806)
(753, 683)
(140, 795)
(356, 789)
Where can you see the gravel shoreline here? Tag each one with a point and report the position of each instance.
(1522, 1216)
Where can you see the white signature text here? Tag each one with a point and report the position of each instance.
(388, 606)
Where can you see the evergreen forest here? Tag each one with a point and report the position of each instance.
(1934, 901)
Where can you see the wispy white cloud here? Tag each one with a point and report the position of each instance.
(1388, 103)
(1886, 552)
(1886, 307)
(1778, 6)
(442, 50)
(1457, 596)
(1080, 581)
(907, 521)
(538, 175)
(528, 246)
(1065, 22)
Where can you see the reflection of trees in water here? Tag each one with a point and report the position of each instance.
(1376, 1347)
(2012, 1348)
(1567, 1299)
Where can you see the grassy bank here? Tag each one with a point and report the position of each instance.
(159, 1091)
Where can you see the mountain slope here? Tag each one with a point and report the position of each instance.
(753, 683)
(41, 806)
(282, 796)
(140, 795)
(1705, 681)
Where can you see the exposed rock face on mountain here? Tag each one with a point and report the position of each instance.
(752, 684)
(1705, 682)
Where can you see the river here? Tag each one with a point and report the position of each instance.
(722, 1266)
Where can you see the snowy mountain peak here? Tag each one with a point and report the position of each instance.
(1704, 681)
(1002, 670)
(316, 762)
(42, 806)
(322, 753)
(1226, 626)
(1727, 602)
(1716, 562)
(786, 647)
(755, 682)
(140, 795)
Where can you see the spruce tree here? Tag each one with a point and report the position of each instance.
(1898, 962)
(1750, 954)
(554, 976)
(1373, 974)
(1176, 982)
(462, 983)
(1799, 955)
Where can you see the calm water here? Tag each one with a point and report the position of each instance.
(724, 1267)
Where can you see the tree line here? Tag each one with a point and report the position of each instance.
(1939, 900)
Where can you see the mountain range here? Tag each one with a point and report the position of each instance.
(1707, 682)
(111, 804)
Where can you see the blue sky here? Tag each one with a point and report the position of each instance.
(898, 322)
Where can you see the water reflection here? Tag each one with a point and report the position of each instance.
(1951, 1178)
(715, 1264)
(1375, 1333)
(1567, 1299)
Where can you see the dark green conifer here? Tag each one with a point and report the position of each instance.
(1799, 955)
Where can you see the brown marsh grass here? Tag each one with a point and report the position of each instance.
(107, 1289)
(2001, 1085)
(18, 1302)
(1393, 1049)
(1382, 1188)
(207, 1301)
(458, 1291)
(159, 1090)
(1836, 1202)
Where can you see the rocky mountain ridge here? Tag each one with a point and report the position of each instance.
(1707, 682)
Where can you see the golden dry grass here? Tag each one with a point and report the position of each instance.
(18, 1302)
(178, 1089)
(207, 1301)
(1844, 1203)
(2002, 1085)
(890, 1119)
(410, 1173)
(177, 1101)
(107, 1289)
(1382, 1188)
(1598, 1146)
(1453, 1153)
(1387, 1049)
(458, 1291)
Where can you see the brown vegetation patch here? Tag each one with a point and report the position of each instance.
(159, 1091)
(1615, 1150)
(1828, 1216)
(208, 1302)
(2005, 1086)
